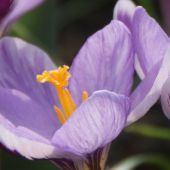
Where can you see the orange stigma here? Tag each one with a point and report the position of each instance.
(59, 78)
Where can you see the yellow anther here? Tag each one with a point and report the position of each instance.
(60, 115)
(84, 96)
(44, 77)
(59, 78)
(66, 101)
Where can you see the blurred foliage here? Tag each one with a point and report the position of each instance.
(136, 161)
(14, 162)
(60, 27)
(44, 26)
(150, 131)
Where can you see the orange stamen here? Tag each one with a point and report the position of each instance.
(84, 96)
(60, 115)
(59, 78)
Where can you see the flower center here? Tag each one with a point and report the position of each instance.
(59, 78)
(4, 7)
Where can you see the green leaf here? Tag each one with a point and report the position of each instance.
(150, 131)
(12, 161)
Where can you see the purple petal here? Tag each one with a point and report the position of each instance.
(124, 11)
(150, 40)
(25, 126)
(102, 64)
(149, 90)
(20, 62)
(21, 110)
(17, 9)
(94, 124)
(26, 147)
(165, 98)
(23, 101)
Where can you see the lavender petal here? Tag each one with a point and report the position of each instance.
(124, 11)
(149, 90)
(101, 64)
(150, 40)
(94, 124)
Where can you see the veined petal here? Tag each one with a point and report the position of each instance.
(94, 124)
(105, 62)
(124, 11)
(26, 147)
(25, 127)
(149, 90)
(21, 110)
(23, 101)
(20, 62)
(150, 40)
(165, 98)
(17, 9)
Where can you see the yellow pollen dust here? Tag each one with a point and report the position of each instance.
(59, 78)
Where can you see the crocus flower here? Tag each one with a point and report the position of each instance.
(11, 10)
(151, 46)
(75, 128)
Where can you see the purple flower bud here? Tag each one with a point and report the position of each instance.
(5, 6)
